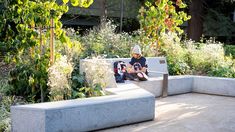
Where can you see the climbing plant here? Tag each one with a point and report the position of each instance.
(161, 16)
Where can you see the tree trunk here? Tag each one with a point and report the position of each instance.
(103, 11)
(195, 28)
(121, 15)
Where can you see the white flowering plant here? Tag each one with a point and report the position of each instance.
(98, 75)
(59, 79)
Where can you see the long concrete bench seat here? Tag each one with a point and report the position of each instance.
(127, 104)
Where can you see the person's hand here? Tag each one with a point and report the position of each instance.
(138, 71)
(132, 71)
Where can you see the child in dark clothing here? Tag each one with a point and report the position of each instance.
(137, 67)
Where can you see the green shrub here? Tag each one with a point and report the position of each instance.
(73, 84)
(204, 56)
(176, 55)
(4, 86)
(224, 69)
(5, 123)
(189, 57)
(29, 79)
(5, 103)
(72, 50)
(104, 41)
(229, 50)
(97, 75)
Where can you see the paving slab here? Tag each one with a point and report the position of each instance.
(188, 113)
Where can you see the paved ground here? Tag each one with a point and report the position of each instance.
(188, 113)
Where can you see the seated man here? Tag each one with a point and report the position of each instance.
(137, 68)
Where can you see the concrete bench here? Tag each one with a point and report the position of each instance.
(126, 104)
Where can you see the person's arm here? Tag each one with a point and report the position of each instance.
(143, 64)
(130, 66)
(144, 69)
(130, 69)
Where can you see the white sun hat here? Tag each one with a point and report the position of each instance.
(136, 50)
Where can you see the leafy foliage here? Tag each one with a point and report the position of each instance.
(80, 3)
(29, 79)
(104, 41)
(81, 88)
(21, 24)
(160, 16)
(177, 56)
(189, 57)
(226, 70)
(97, 72)
(5, 103)
(229, 50)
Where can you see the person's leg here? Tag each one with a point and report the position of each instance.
(130, 76)
(142, 76)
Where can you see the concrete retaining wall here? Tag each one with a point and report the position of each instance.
(187, 84)
(127, 105)
(214, 85)
(180, 84)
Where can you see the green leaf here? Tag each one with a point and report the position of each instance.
(74, 2)
(148, 4)
(19, 2)
(65, 1)
(19, 10)
(87, 3)
(81, 95)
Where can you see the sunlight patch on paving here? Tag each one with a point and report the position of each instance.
(188, 112)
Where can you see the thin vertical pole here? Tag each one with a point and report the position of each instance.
(40, 31)
(165, 85)
(52, 42)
